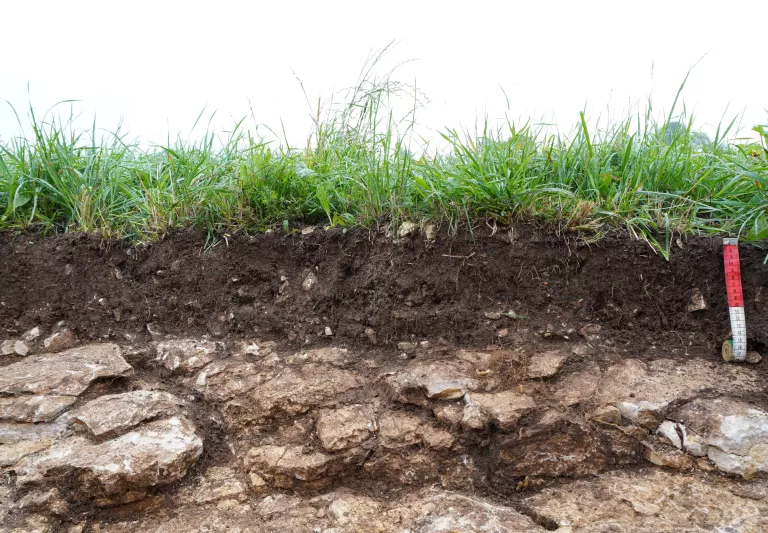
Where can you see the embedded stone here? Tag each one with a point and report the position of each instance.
(116, 413)
(68, 373)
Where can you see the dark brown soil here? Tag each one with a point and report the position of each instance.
(411, 289)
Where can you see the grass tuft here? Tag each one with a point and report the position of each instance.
(359, 168)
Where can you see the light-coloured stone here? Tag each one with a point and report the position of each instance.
(421, 381)
(12, 452)
(663, 455)
(331, 355)
(577, 387)
(668, 430)
(21, 348)
(449, 413)
(31, 334)
(546, 365)
(309, 281)
(399, 429)
(439, 389)
(34, 408)
(697, 301)
(607, 414)
(68, 373)
(643, 391)
(185, 355)
(736, 433)
(116, 413)
(648, 501)
(503, 408)
(156, 453)
(295, 391)
(288, 466)
(218, 483)
(14, 432)
(6, 347)
(340, 511)
(346, 427)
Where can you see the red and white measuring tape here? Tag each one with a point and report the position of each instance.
(734, 349)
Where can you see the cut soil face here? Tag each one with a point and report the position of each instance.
(339, 380)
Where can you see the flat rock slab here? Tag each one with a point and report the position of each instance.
(732, 434)
(154, 454)
(114, 414)
(185, 355)
(346, 427)
(649, 502)
(286, 466)
(34, 408)
(296, 391)
(504, 409)
(546, 365)
(341, 511)
(398, 429)
(218, 483)
(67, 373)
(434, 380)
(642, 391)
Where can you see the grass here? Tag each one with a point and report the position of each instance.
(657, 180)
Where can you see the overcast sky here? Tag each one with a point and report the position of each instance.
(156, 65)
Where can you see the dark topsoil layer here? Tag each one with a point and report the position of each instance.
(251, 287)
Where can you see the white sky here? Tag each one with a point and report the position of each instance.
(158, 64)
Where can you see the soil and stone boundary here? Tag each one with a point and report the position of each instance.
(338, 381)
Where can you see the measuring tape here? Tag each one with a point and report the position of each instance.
(734, 349)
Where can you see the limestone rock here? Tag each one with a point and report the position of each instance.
(34, 408)
(68, 373)
(664, 455)
(697, 301)
(21, 348)
(546, 365)
(671, 433)
(13, 432)
(288, 466)
(346, 427)
(31, 334)
(185, 355)
(736, 433)
(449, 413)
(340, 511)
(648, 501)
(13, 452)
(296, 391)
(420, 381)
(607, 414)
(116, 413)
(504, 409)
(643, 391)
(218, 483)
(60, 340)
(309, 281)
(405, 429)
(6, 347)
(154, 454)
(443, 512)
(578, 387)
(331, 355)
